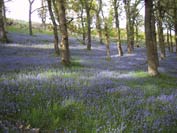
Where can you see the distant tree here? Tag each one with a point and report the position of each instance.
(3, 36)
(131, 12)
(88, 6)
(175, 21)
(139, 22)
(150, 44)
(55, 29)
(42, 12)
(160, 17)
(30, 14)
(106, 22)
(82, 22)
(98, 20)
(116, 4)
(64, 46)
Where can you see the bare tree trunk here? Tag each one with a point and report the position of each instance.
(3, 36)
(168, 39)
(64, 46)
(155, 40)
(98, 22)
(98, 26)
(30, 13)
(128, 21)
(171, 39)
(82, 23)
(175, 24)
(160, 32)
(137, 37)
(107, 42)
(151, 56)
(88, 25)
(55, 30)
(119, 46)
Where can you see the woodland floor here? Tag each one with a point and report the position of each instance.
(113, 95)
(27, 51)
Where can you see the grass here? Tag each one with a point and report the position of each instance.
(22, 27)
(53, 104)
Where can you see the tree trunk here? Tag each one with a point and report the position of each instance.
(64, 46)
(175, 24)
(82, 23)
(3, 36)
(98, 26)
(55, 30)
(155, 40)
(30, 13)
(137, 37)
(119, 47)
(171, 40)
(168, 39)
(151, 56)
(176, 34)
(107, 42)
(127, 11)
(160, 32)
(88, 25)
(132, 35)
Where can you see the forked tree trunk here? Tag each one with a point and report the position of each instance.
(119, 46)
(3, 36)
(55, 30)
(64, 46)
(151, 56)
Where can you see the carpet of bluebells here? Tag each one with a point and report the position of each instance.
(92, 95)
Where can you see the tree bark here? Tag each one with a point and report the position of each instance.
(154, 36)
(98, 22)
(160, 32)
(168, 39)
(3, 36)
(82, 23)
(127, 11)
(87, 6)
(151, 56)
(175, 20)
(107, 42)
(30, 13)
(55, 30)
(64, 46)
(119, 46)
(171, 39)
